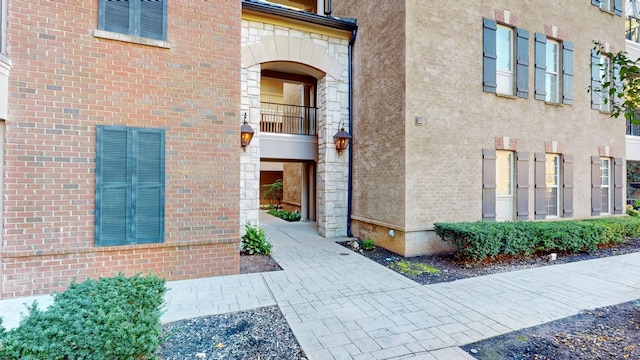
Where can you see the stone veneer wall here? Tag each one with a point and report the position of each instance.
(265, 42)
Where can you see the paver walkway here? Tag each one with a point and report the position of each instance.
(341, 305)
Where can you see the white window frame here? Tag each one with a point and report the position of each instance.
(552, 181)
(505, 77)
(606, 75)
(553, 71)
(606, 5)
(605, 185)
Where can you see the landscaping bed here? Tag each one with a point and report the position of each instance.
(611, 332)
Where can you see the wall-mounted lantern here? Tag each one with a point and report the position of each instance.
(341, 139)
(246, 133)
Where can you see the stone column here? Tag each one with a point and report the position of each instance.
(250, 158)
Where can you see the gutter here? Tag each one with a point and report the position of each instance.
(354, 32)
(327, 21)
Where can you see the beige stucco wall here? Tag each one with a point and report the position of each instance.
(407, 177)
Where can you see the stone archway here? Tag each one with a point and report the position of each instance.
(305, 56)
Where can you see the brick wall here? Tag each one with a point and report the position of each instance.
(64, 82)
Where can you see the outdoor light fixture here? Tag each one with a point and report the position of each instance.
(341, 139)
(246, 133)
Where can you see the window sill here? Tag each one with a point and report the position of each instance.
(553, 103)
(508, 96)
(131, 39)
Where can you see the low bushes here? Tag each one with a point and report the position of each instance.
(112, 318)
(285, 215)
(480, 240)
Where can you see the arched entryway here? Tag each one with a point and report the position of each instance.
(293, 92)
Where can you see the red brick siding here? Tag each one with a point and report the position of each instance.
(64, 82)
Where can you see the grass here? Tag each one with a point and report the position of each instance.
(413, 269)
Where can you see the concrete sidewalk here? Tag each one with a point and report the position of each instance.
(341, 305)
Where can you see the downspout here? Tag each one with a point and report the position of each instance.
(350, 176)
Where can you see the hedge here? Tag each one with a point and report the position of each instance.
(112, 318)
(480, 240)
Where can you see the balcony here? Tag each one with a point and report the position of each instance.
(632, 29)
(288, 119)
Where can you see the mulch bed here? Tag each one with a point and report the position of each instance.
(611, 332)
(452, 268)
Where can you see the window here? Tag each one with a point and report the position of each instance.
(605, 77)
(612, 6)
(554, 70)
(143, 18)
(505, 59)
(129, 185)
(605, 185)
(552, 181)
(553, 60)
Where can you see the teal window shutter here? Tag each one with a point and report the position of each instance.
(540, 66)
(113, 191)
(153, 19)
(595, 80)
(148, 185)
(145, 18)
(489, 82)
(617, 7)
(567, 72)
(130, 179)
(595, 3)
(617, 85)
(522, 63)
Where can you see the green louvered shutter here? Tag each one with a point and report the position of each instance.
(522, 63)
(567, 72)
(540, 66)
(540, 186)
(595, 80)
(113, 177)
(489, 185)
(617, 7)
(522, 185)
(148, 185)
(618, 208)
(153, 19)
(489, 53)
(567, 186)
(115, 15)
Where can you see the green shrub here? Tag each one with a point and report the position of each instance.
(479, 240)
(285, 215)
(368, 244)
(255, 242)
(112, 318)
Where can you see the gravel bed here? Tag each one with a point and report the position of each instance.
(261, 333)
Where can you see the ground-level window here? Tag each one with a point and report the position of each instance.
(552, 182)
(605, 185)
(130, 178)
(504, 185)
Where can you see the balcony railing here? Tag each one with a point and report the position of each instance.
(632, 29)
(288, 119)
(633, 129)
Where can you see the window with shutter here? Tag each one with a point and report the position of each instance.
(144, 18)
(129, 186)
(505, 59)
(613, 6)
(553, 70)
(567, 185)
(596, 200)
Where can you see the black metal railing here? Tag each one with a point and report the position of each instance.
(288, 119)
(632, 29)
(633, 129)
